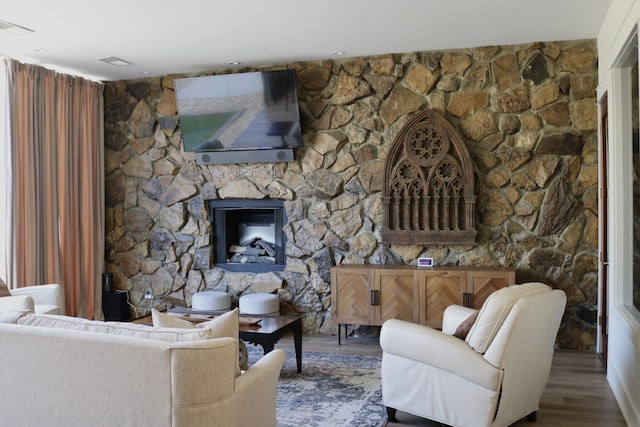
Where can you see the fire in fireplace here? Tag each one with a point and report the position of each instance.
(248, 234)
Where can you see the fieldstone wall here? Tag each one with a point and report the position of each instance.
(526, 112)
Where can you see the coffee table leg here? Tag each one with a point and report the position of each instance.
(268, 339)
(267, 346)
(297, 341)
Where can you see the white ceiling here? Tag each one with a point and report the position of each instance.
(187, 36)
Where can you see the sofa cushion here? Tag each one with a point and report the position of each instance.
(225, 325)
(495, 310)
(117, 328)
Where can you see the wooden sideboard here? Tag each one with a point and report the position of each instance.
(371, 294)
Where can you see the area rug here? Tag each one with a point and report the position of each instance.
(333, 390)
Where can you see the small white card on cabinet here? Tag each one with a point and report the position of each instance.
(425, 262)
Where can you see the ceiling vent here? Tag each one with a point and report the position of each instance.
(117, 62)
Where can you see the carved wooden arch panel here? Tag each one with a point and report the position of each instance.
(428, 195)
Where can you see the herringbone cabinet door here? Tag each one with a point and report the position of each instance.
(439, 290)
(481, 284)
(399, 296)
(354, 303)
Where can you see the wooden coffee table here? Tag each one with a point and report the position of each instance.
(270, 329)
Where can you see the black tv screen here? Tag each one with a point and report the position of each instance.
(244, 111)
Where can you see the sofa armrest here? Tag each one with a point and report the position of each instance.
(49, 294)
(256, 389)
(453, 316)
(434, 348)
(216, 360)
(17, 303)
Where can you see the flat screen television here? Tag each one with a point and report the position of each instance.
(243, 117)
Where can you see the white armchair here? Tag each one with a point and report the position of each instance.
(494, 377)
(40, 299)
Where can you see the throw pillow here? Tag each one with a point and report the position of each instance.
(225, 325)
(4, 290)
(12, 316)
(463, 328)
(243, 356)
(163, 320)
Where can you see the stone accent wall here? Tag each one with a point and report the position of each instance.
(526, 112)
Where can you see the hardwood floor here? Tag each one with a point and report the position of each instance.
(577, 393)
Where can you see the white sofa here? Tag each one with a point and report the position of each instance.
(60, 376)
(492, 378)
(41, 299)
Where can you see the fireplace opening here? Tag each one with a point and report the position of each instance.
(247, 234)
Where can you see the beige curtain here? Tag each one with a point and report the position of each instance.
(58, 185)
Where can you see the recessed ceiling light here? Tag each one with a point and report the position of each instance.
(144, 73)
(115, 61)
(338, 52)
(14, 29)
(233, 62)
(41, 50)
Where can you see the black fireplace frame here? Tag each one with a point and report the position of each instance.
(219, 209)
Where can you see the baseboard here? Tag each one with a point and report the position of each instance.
(623, 367)
(628, 405)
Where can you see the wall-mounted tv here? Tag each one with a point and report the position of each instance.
(240, 118)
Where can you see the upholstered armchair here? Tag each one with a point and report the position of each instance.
(40, 299)
(492, 377)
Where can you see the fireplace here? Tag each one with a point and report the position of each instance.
(247, 234)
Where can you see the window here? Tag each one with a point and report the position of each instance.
(635, 178)
(5, 177)
(631, 67)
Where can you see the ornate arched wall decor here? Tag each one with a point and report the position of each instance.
(428, 195)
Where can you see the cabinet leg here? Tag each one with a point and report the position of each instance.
(340, 325)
